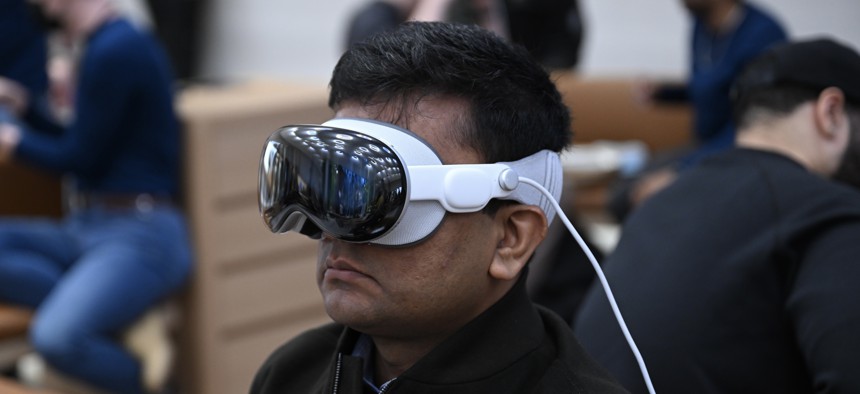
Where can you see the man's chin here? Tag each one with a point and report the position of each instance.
(348, 309)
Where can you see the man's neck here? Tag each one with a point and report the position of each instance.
(395, 356)
(724, 16)
(787, 137)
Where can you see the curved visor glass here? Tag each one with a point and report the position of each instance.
(316, 179)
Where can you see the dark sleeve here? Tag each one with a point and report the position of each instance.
(23, 48)
(372, 19)
(105, 89)
(761, 33)
(765, 34)
(823, 305)
(39, 116)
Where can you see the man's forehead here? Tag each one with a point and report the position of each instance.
(440, 122)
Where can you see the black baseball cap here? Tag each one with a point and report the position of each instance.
(815, 64)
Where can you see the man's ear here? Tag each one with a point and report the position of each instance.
(524, 227)
(833, 129)
(830, 115)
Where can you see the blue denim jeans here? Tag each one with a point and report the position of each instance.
(88, 277)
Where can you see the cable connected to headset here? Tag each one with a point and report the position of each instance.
(601, 277)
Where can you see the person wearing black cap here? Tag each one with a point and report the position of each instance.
(742, 276)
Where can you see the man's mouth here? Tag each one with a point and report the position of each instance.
(342, 270)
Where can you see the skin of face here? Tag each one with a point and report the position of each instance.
(426, 290)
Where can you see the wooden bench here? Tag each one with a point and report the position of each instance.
(14, 323)
(8, 386)
(605, 109)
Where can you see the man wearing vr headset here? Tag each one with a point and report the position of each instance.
(425, 299)
(743, 275)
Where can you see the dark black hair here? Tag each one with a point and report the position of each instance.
(515, 109)
(768, 86)
(756, 94)
(777, 100)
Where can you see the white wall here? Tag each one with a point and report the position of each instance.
(291, 39)
(651, 37)
(301, 40)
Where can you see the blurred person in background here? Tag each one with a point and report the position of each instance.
(384, 15)
(551, 30)
(123, 246)
(742, 275)
(178, 24)
(727, 35)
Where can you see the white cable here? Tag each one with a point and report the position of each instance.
(602, 278)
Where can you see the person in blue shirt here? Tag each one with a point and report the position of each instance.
(727, 35)
(123, 247)
(723, 42)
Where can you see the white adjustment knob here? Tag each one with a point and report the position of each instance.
(508, 180)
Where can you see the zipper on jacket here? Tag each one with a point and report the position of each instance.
(337, 374)
(386, 386)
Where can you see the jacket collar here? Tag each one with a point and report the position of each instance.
(495, 339)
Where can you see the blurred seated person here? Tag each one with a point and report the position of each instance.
(741, 277)
(727, 35)
(123, 246)
(551, 30)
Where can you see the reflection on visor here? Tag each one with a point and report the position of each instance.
(316, 179)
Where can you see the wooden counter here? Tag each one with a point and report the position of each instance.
(251, 290)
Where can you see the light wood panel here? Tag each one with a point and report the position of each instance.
(251, 290)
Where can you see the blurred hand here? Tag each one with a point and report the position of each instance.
(13, 96)
(10, 136)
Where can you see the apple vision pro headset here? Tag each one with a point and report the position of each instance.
(365, 181)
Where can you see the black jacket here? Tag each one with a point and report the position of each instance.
(513, 347)
(740, 277)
